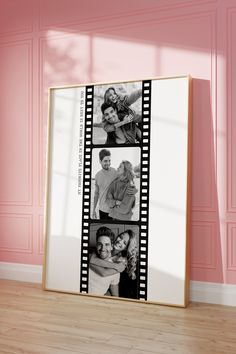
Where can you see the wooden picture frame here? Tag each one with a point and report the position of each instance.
(118, 190)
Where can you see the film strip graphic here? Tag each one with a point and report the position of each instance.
(144, 190)
(86, 189)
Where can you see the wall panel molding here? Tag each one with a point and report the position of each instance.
(231, 246)
(41, 234)
(160, 10)
(17, 29)
(211, 206)
(152, 20)
(28, 201)
(16, 233)
(231, 203)
(203, 240)
(43, 125)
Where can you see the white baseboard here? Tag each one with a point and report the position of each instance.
(212, 293)
(21, 272)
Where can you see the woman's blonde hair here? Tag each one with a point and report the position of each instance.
(128, 171)
(131, 254)
(106, 94)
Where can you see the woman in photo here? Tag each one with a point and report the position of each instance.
(120, 202)
(124, 260)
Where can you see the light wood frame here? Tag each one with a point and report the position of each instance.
(63, 257)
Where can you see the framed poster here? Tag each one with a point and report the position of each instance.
(118, 190)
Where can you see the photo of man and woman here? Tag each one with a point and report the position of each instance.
(113, 260)
(115, 190)
(117, 115)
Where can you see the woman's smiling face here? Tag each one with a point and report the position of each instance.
(112, 96)
(121, 242)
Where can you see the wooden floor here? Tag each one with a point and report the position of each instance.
(33, 321)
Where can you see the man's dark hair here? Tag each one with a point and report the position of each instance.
(105, 105)
(105, 231)
(103, 153)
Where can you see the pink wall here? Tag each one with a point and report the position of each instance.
(54, 42)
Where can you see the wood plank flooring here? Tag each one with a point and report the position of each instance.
(33, 321)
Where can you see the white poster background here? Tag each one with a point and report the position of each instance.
(65, 192)
(168, 191)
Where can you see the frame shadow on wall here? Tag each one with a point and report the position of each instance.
(206, 250)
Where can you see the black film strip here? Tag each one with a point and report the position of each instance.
(144, 190)
(86, 189)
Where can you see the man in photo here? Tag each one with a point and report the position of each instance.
(98, 284)
(103, 179)
(119, 131)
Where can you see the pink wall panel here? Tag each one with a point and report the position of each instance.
(231, 109)
(206, 253)
(67, 13)
(16, 16)
(231, 247)
(40, 244)
(46, 43)
(107, 66)
(16, 233)
(15, 124)
(65, 58)
(204, 168)
(203, 247)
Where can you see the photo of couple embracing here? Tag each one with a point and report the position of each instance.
(113, 260)
(115, 190)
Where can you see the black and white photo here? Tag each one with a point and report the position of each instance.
(113, 260)
(115, 183)
(117, 115)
